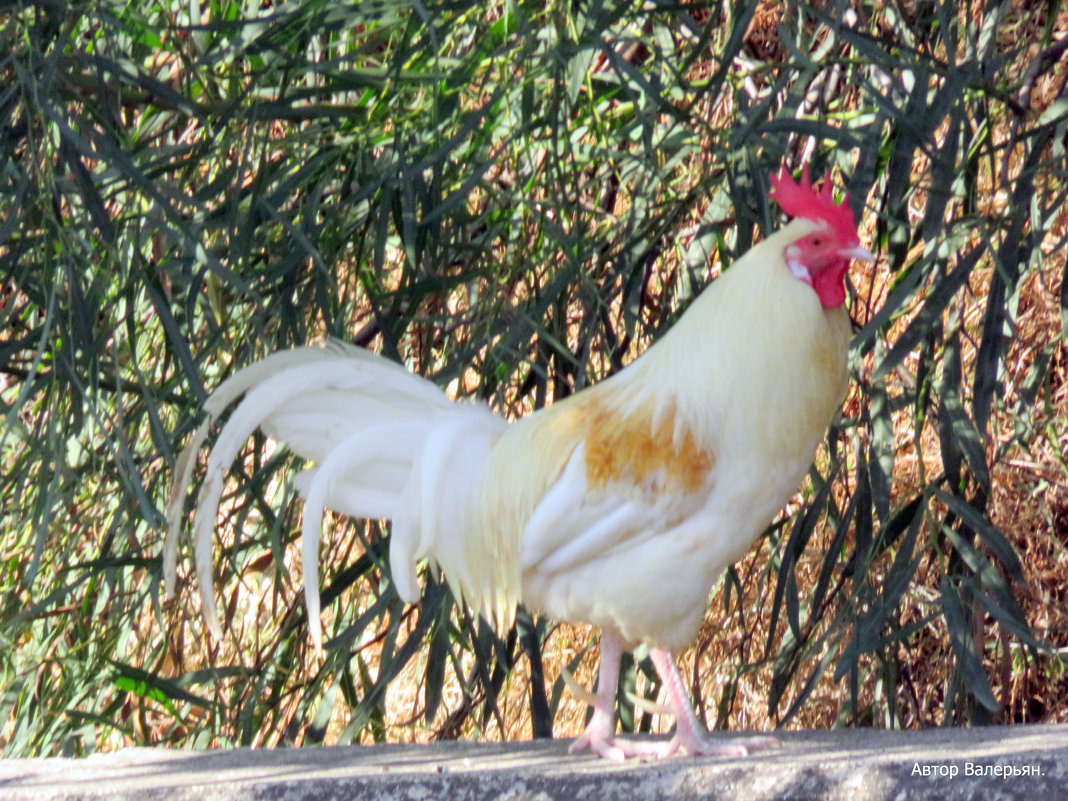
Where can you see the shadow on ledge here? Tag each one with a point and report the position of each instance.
(1012, 762)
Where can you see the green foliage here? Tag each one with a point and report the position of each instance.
(512, 198)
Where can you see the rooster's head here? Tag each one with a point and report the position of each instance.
(819, 258)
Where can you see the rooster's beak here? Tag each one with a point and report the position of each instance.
(858, 253)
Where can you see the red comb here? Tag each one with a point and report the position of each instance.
(801, 200)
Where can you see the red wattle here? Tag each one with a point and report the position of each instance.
(830, 285)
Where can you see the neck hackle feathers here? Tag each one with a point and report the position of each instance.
(800, 199)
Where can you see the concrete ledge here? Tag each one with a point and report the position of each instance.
(1020, 762)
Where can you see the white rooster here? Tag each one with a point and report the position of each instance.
(618, 506)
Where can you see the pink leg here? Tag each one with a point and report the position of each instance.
(690, 735)
(599, 735)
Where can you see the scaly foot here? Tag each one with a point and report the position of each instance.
(690, 734)
(599, 735)
(604, 746)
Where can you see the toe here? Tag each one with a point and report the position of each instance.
(580, 743)
(604, 747)
(722, 746)
(608, 750)
(752, 744)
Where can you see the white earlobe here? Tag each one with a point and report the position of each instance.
(798, 270)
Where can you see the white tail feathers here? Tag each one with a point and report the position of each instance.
(324, 484)
(387, 444)
(441, 522)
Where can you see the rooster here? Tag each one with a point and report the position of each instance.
(618, 506)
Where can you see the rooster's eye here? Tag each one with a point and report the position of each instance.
(817, 241)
